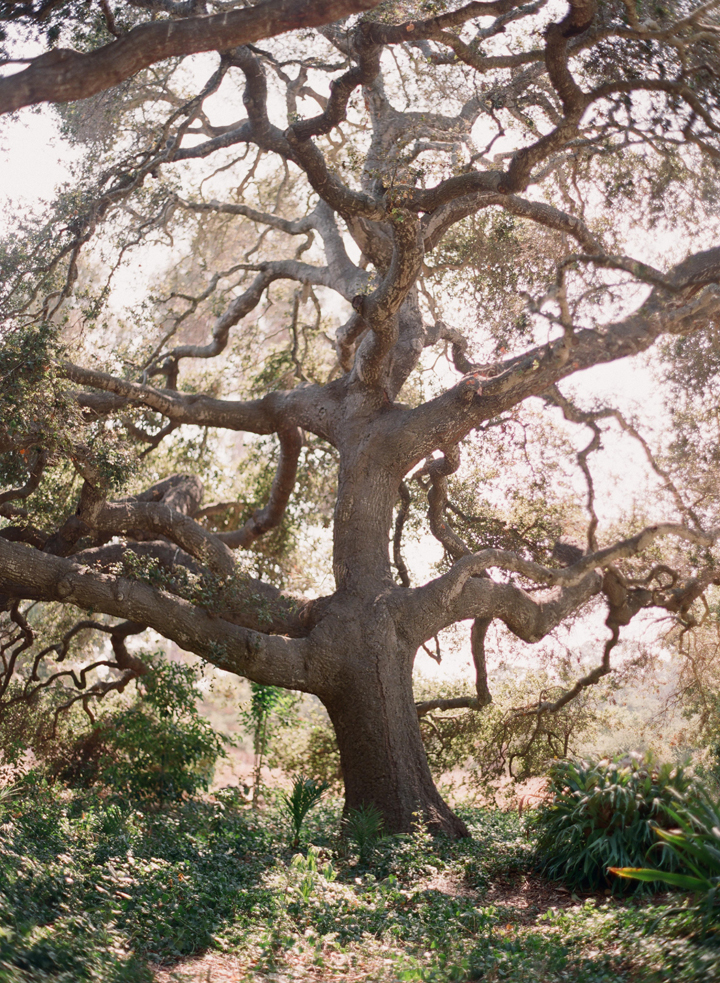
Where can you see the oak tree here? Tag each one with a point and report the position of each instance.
(490, 181)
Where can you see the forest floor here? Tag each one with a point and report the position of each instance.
(524, 899)
(535, 931)
(209, 891)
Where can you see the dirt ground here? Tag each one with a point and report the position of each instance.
(527, 897)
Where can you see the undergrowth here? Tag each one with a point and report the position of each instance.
(97, 889)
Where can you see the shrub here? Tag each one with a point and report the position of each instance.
(696, 845)
(498, 742)
(607, 814)
(157, 749)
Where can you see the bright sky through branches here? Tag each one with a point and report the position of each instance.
(36, 160)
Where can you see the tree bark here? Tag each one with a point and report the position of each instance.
(372, 709)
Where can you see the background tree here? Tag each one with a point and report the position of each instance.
(477, 178)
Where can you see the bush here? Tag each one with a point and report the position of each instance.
(696, 844)
(157, 749)
(607, 814)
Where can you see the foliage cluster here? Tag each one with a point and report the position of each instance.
(608, 814)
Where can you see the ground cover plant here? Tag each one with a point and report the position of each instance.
(93, 888)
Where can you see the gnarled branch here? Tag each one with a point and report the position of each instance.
(62, 74)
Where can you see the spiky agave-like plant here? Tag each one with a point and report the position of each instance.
(696, 845)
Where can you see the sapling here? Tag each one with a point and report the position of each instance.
(305, 794)
(269, 705)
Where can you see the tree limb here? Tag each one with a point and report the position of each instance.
(271, 515)
(268, 659)
(491, 390)
(309, 407)
(62, 75)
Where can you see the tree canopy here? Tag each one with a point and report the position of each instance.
(426, 219)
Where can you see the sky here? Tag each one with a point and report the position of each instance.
(34, 159)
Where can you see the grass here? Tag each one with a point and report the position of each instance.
(103, 892)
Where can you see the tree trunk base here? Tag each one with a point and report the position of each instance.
(382, 755)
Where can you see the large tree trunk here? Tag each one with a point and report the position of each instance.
(384, 762)
(372, 709)
(364, 653)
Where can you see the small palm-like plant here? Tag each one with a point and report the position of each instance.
(7, 794)
(364, 827)
(607, 814)
(305, 794)
(696, 844)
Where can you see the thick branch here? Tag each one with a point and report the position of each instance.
(475, 563)
(437, 470)
(378, 310)
(466, 592)
(293, 228)
(448, 703)
(244, 601)
(439, 221)
(37, 467)
(400, 520)
(270, 660)
(309, 407)
(493, 389)
(289, 269)
(62, 74)
(160, 519)
(483, 697)
(363, 73)
(271, 515)
(131, 665)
